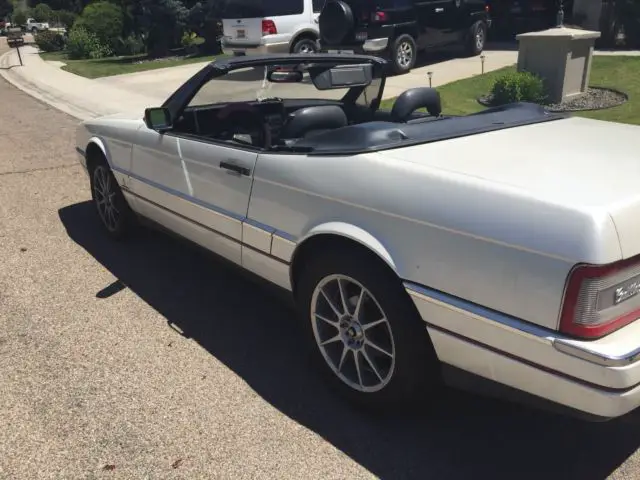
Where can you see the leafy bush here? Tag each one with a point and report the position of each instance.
(48, 41)
(131, 45)
(104, 20)
(42, 12)
(518, 87)
(83, 44)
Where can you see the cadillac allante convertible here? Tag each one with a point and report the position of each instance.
(496, 249)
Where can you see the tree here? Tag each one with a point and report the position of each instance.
(42, 12)
(19, 18)
(163, 22)
(204, 19)
(6, 7)
(104, 20)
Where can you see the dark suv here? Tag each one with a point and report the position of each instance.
(399, 29)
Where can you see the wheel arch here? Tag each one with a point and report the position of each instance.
(95, 149)
(304, 33)
(338, 235)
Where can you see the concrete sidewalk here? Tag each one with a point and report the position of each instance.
(78, 96)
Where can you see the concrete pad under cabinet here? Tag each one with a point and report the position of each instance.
(561, 56)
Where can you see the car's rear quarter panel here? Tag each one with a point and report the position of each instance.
(495, 248)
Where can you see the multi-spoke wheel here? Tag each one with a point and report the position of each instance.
(112, 208)
(364, 330)
(353, 333)
(404, 53)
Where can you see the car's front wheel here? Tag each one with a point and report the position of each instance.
(112, 208)
(404, 53)
(364, 331)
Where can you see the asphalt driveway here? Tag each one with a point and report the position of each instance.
(151, 359)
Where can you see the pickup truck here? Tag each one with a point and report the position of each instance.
(35, 27)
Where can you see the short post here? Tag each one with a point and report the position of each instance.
(19, 56)
(482, 62)
(429, 74)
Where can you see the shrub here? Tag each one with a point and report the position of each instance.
(83, 44)
(132, 45)
(518, 87)
(48, 41)
(104, 20)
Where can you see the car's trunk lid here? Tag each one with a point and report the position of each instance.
(576, 162)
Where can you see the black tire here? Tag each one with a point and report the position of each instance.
(101, 179)
(415, 367)
(476, 39)
(335, 22)
(34, 31)
(403, 54)
(304, 45)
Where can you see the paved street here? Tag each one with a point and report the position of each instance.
(153, 360)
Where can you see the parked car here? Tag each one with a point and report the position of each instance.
(419, 247)
(257, 26)
(399, 29)
(35, 27)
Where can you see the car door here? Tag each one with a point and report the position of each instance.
(195, 187)
(436, 19)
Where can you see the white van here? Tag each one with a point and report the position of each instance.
(270, 26)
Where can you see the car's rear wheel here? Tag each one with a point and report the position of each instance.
(113, 211)
(365, 333)
(476, 39)
(404, 53)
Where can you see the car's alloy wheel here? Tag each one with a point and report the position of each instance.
(352, 333)
(480, 37)
(104, 194)
(363, 331)
(113, 210)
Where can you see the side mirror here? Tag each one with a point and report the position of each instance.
(158, 119)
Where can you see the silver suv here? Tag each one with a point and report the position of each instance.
(260, 26)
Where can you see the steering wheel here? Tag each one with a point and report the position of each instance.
(243, 118)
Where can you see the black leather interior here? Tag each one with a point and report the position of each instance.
(413, 99)
(310, 120)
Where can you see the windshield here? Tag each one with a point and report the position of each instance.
(251, 84)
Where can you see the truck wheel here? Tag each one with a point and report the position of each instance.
(34, 31)
(304, 45)
(404, 53)
(364, 332)
(476, 39)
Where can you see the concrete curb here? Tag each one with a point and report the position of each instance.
(6, 71)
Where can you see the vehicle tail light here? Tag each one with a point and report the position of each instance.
(487, 8)
(601, 299)
(379, 16)
(268, 27)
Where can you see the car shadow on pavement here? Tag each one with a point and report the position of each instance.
(254, 333)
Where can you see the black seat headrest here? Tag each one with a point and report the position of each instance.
(413, 99)
(305, 120)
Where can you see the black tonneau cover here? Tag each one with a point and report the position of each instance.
(374, 136)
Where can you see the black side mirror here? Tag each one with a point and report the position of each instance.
(158, 119)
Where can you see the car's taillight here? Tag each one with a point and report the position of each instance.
(487, 8)
(269, 27)
(379, 16)
(600, 299)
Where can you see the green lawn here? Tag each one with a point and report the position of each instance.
(106, 67)
(619, 72)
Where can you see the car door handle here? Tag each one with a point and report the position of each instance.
(235, 168)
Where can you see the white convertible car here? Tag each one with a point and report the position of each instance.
(502, 246)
